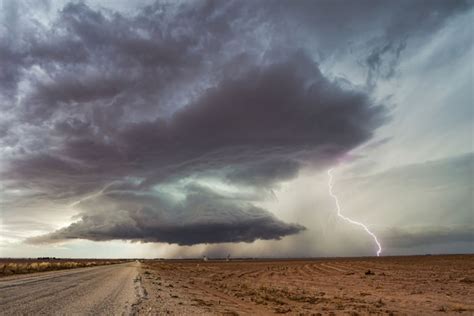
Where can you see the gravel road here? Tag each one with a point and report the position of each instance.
(103, 290)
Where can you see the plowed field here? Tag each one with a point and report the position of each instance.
(387, 285)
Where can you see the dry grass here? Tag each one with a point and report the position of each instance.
(21, 266)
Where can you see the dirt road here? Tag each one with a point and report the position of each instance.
(103, 290)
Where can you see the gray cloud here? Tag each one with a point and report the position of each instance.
(255, 130)
(114, 108)
(425, 236)
(375, 32)
(203, 217)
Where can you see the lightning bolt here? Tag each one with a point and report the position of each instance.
(347, 219)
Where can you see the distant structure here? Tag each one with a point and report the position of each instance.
(48, 258)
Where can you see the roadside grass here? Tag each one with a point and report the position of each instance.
(32, 266)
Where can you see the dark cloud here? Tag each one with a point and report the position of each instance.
(114, 108)
(255, 129)
(265, 172)
(203, 217)
(274, 113)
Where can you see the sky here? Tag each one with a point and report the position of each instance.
(177, 129)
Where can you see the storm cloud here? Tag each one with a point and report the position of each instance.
(171, 123)
(253, 130)
(203, 217)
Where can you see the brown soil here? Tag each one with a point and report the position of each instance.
(422, 285)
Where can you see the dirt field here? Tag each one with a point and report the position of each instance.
(390, 285)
